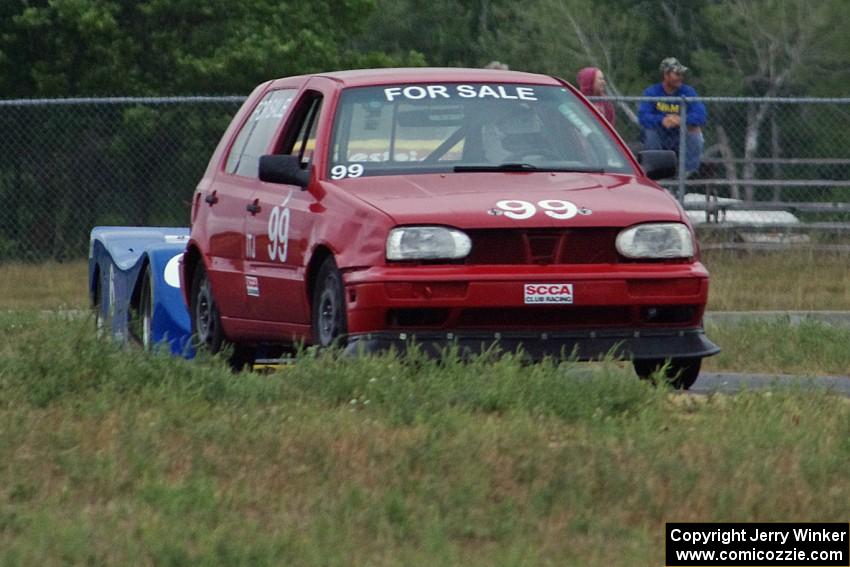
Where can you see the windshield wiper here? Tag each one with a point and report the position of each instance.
(500, 167)
(512, 166)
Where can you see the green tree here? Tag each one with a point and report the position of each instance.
(770, 48)
(138, 164)
(447, 32)
(164, 47)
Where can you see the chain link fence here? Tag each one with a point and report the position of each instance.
(773, 171)
(71, 164)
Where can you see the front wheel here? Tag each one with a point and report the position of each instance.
(681, 372)
(329, 317)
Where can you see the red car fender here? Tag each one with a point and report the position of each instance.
(354, 231)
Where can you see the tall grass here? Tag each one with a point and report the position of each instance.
(114, 457)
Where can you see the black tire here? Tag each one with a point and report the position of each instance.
(206, 321)
(681, 372)
(207, 332)
(97, 308)
(146, 311)
(329, 316)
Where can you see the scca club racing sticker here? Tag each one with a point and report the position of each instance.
(252, 286)
(543, 293)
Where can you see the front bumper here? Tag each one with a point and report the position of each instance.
(580, 345)
(640, 311)
(456, 298)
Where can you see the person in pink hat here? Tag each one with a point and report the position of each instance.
(591, 82)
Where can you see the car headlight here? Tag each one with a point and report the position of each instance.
(427, 243)
(656, 240)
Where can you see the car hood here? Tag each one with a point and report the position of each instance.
(469, 200)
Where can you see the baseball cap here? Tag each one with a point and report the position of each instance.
(672, 64)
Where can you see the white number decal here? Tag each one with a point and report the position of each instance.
(555, 208)
(279, 231)
(342, 171)
(517, 209)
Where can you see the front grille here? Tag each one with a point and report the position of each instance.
(550, 317)
(417, 317)
(544, 246)
(669, 314)
(519, 318)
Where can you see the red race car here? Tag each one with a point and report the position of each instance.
(447, 206)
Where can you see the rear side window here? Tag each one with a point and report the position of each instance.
(255, 136)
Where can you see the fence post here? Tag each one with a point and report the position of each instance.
(683, 148)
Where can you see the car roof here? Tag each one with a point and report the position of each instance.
(366, 77)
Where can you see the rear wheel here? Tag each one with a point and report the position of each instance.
(206, 321)
(330, 320)
(681, 372)
(146, 311)
(97, 307)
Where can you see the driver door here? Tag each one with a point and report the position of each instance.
(278, 227)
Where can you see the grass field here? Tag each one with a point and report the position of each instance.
(739, 282)
(43, 286)
(778, 281)
(114, 457)
(808, 349)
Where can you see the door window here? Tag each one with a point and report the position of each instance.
(255, 136)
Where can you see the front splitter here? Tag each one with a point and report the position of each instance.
(635, 344)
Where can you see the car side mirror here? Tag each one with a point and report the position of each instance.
(658, 164)
(284, 169)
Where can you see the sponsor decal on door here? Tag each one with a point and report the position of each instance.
(252, 286)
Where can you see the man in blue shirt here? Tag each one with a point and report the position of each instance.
(660, 120)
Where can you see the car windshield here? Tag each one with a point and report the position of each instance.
(430, 128)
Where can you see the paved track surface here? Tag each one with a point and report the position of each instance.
(730, 382)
